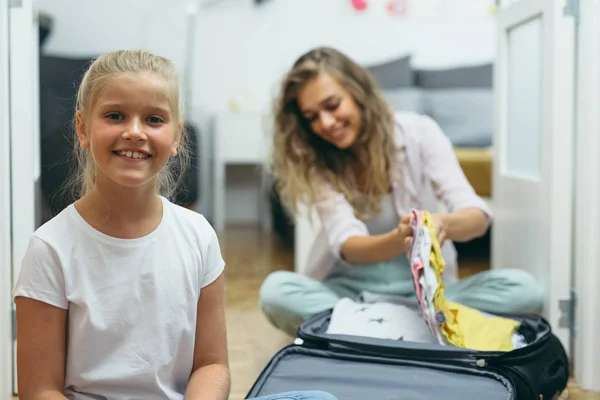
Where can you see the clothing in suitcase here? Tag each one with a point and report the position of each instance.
(364, 368)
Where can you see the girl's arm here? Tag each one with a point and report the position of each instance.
(210, 374)
(41, 350)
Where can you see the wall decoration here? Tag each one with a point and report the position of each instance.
(398, 8)
(242, 100)
(359, 5)
(493, 10)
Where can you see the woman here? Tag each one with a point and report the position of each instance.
(338, 147)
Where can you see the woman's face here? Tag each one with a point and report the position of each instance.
(330, 110)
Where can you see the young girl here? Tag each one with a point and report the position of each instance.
(121, 295)
(338, 147)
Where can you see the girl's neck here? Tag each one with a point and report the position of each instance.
(120, 211)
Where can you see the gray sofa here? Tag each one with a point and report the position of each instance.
(459, 99)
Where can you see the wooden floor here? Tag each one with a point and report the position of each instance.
(250, 256)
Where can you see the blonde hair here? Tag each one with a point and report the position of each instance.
(301, 160)
(98, 75)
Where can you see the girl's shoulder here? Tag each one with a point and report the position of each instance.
(189, 223)
(62, 225)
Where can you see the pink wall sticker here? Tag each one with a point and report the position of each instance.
(359, 5)
(398, 7)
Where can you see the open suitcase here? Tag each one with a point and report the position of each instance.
(365, 368)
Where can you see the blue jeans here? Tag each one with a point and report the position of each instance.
(302, 395)
(287, 298)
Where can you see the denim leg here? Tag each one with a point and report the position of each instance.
(299, 395)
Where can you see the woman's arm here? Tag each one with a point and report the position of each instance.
(378, 248)
(41, 350)
(464, 225)
(348, 237)
(468, 216)
(460, 226)
(210, 374)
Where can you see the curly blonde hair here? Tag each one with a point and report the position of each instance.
(99, 73)
(301, 161)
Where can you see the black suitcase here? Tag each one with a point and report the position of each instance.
(364, 368)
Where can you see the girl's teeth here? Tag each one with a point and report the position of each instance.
(133, 154)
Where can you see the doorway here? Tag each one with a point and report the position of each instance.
(19, 160)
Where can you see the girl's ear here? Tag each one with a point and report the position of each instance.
(81, 130)
(177, 140)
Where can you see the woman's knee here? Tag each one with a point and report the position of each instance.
(273, 291)
(529, 293)
(276, 303)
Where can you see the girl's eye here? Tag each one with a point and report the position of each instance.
(114, 116)
(155, 120)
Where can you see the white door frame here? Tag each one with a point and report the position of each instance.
(24, 120)
(5, 215)
(25, 138)
(587, 211)
(546, 231)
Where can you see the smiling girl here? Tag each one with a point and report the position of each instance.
(121, 295)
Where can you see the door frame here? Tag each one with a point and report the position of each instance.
(24, 135)
(6, 343)
(556, 184)
(587, 210)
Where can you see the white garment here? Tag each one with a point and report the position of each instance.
(379, 320)
(132, 302)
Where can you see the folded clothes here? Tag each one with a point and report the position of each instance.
(452, 323)
(380, 320)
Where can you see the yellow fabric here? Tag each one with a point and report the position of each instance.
(464, 326)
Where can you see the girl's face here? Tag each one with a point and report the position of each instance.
(330, 110)
(129, 130)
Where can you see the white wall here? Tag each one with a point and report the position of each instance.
(242, 46)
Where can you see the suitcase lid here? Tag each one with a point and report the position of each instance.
(354, 376)
(312, 333)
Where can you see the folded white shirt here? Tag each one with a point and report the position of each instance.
(379, 320)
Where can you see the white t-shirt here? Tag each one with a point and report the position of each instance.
(132, 302)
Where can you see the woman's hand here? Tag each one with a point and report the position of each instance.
(460, 226)
(405, 233)
(439, 223)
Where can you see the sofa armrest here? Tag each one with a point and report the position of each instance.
(477, 165)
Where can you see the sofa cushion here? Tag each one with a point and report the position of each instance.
(461, 100)
(465, 115)
(478, 76)
(392, 74)
(396, 79)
